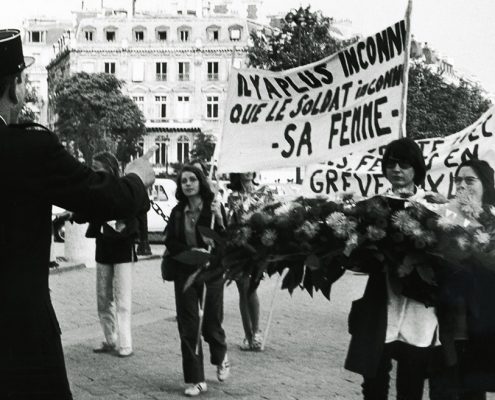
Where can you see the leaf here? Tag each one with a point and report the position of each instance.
(190, 280)
(312, 262)
(193, 257)
(211, 234)
(406, 267)
(427, 274)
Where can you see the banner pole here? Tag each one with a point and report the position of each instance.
(405, 78)
(272, 306)
(211, 175)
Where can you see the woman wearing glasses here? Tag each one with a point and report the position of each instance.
(467, 299)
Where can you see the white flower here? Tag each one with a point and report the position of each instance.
(482, 237)
(310, 229)
(403, 221)
(284, 209)
(492, 210)
(446, 223)
(268, 238)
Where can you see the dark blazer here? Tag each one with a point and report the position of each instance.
(114, 247)
(175, 238)
(368, 327)
(39, 172)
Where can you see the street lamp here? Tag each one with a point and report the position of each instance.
(166, 141)
(299, 18)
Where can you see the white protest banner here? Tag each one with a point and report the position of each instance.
(362, 174)
(348, 102)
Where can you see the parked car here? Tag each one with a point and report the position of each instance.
(162, 193)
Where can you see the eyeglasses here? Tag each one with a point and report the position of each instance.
(391, 163)
(470, 180)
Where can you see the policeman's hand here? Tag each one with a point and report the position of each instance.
(142, 167)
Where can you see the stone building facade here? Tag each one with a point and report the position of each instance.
(175, 67)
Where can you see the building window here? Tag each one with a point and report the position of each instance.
(161, 35)
(235, 33)
(137, 70)
(213, 33)
(139, 36)
(183, 108)
(36, 36)
(184, 35)
(110, 67)
(89, 36)
(110, 35)
(139, 100)
(161, 155)
(161, 107)
(213, 70)
(183, 149)
(183, 71)
(161, 71)
(212, 107)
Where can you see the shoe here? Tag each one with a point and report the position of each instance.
(125, 353)
(223, 370)
(257, 341)
(196, 389)
(245, 345)
(104, 348)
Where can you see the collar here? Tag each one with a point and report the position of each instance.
(197, 209)
(3, 120)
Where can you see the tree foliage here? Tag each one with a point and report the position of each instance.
(203, 148)
(95, 114)
(435, 107)
(31, 101)
(309, 40)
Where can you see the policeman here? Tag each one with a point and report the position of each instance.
(36, 173)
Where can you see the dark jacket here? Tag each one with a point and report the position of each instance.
(175, 239)
(114, 247)
(39, 172)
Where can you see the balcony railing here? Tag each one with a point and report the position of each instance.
(184, 77)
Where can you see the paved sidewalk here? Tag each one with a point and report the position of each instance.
(303, 359)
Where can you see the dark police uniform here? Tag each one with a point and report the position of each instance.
(37, 172)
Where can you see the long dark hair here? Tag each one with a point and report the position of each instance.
(235, 182)
(485, 175)
(204, 188)
(109, 162)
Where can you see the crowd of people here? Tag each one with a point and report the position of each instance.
(452, 345)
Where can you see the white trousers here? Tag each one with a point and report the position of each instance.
(114, 299)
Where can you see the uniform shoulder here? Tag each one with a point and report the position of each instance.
(32, 127)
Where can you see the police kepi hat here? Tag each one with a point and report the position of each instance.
(12, 61)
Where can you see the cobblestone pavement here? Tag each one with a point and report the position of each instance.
(303, 359)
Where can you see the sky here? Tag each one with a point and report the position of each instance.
(464, 31)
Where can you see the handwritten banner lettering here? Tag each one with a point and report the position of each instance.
(362, 174)
(348, 102)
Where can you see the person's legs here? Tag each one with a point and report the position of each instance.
(212, 324)
(186, 303)
(376, 388)
(243, 286)
(412, 366)
(123, 300)
(105, 302)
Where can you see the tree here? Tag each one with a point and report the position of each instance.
(95, 114)
(298, 43)
(31, 102)
(434, 108)
(204, 147)
(437, 108)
